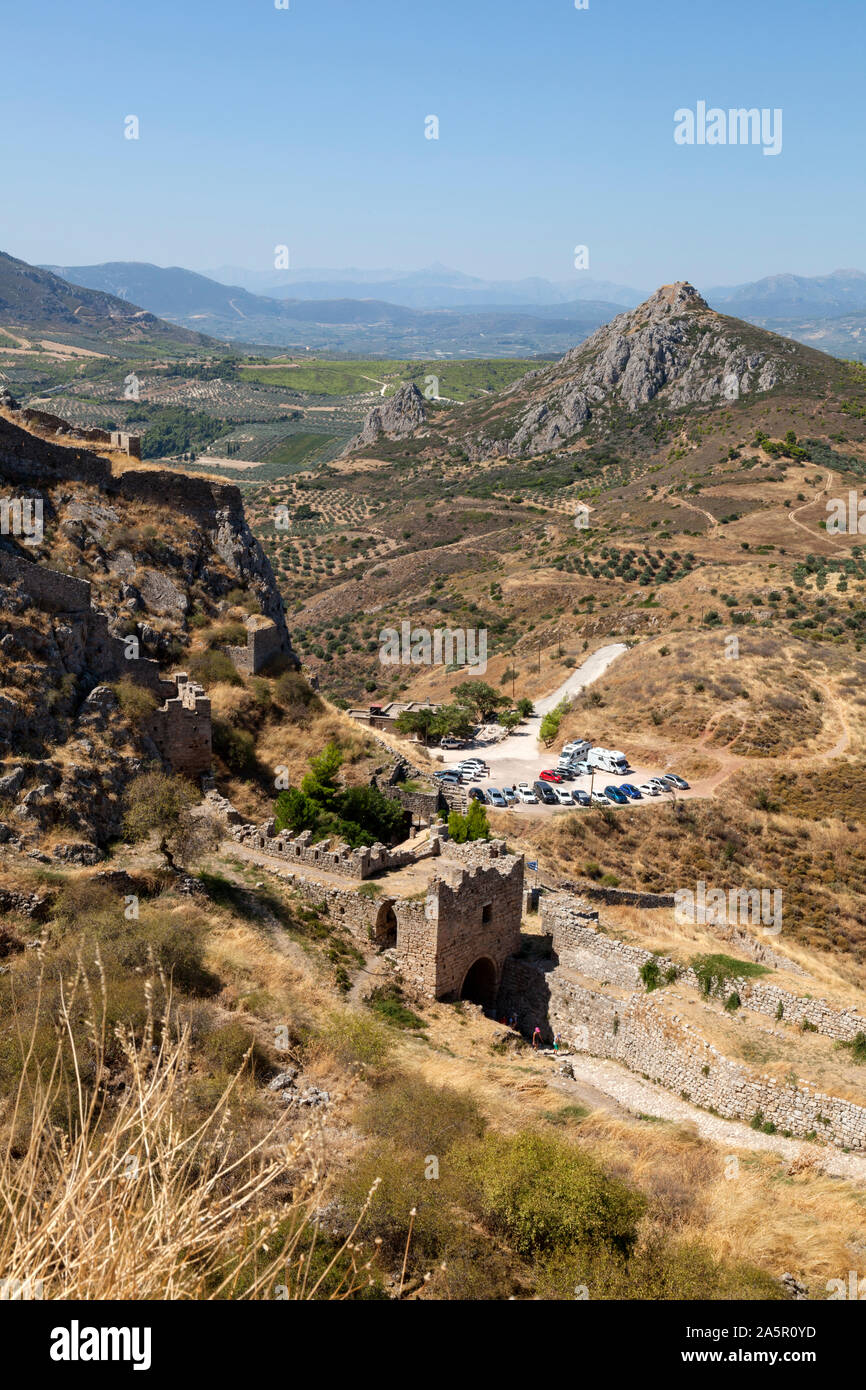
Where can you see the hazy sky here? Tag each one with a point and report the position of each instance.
(306, 127)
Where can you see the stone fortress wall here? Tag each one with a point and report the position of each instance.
(263, 646)
(578, 944)
(336, 857)
(181, 726)
(632, 1027)
(27, 460)
(468, 916)
(116, 439)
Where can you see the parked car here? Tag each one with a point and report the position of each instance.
(496, 797)
(544, 793)
(510, 795)
(673, 780)
(648, 789)
(631, 791)
(449, 742)
(548, 775)
(527, 795)
(580, 798)
(599, 799)
(660, 786)
(566, 772)
(449, 775)
(563, 796)
(583, 769)
(616, 796)
(476, 794)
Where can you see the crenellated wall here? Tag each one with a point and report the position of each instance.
(335, 857)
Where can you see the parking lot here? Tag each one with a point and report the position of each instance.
(509, 772)
(520, 757)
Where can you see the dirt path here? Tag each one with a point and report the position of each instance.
(818, 535)
(621, 1089)
(690, 506)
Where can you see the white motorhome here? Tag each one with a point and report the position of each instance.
(608, 760)
(575, 749)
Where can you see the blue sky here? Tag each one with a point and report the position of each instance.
(305, 127)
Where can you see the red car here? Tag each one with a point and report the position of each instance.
(549, 775)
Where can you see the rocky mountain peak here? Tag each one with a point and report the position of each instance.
(673, 345)
(397, 416)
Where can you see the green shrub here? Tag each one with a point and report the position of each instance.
(542, 1195)
(420, 1117)
(136, 703)
(651, 974)
(213, 668)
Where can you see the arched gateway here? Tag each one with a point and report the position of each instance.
(479, 986)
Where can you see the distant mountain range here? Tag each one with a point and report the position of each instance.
(436, 287)
(32, 298)
(343, 324)
(794, 296)
(429, 312)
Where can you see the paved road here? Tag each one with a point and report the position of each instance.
(521, 756)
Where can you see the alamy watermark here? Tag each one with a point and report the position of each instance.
(847, 517)
(22, 516)
(736, 126)
(735, 907)
(461, 646)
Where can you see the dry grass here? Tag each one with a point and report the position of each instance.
(134, 1203)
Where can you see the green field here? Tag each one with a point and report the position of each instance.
(458, 380)
(299, 450)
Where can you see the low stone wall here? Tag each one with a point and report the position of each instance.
(579, 945)
(50, 589)
(647, 1041)
(621, 897)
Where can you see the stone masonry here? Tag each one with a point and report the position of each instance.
(452, 941)
(578, 944)
(263, 645)
(181, 728)
(566, 993)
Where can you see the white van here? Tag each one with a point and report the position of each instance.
(575, 749)
(608, 760)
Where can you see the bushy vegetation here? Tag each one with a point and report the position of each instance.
(360, 815)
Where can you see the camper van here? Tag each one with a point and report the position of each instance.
(608, 760)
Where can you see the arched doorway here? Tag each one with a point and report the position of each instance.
(479, 986)
(385, 930)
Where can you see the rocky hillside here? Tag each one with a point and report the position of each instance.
(399, 415)
(159, 562)
(673, 350)
(31, 298)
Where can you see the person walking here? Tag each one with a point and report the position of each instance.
(536, 1037)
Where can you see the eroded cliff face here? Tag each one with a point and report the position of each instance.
(156, 532)
(128, 577)
(672, 346)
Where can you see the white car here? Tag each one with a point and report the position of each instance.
(657, 786)
(648, 789)
(599, 799)
(563, 796)
(526, 794)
